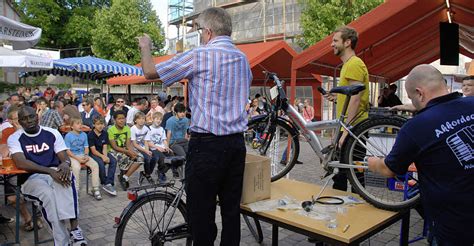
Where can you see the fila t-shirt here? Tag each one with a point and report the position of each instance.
(40, 148)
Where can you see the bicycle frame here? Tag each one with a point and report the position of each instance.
(307, 129)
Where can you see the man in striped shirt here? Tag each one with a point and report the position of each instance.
(219, 80)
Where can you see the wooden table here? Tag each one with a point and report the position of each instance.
(7, 173)
(364, 219)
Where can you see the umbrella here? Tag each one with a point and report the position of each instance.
(22, 61)
(20, 35)
(88, 67)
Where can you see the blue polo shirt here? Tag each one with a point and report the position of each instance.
(97, 141)
(440, 141)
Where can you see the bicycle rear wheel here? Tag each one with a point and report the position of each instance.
(378, 136)
(279, 144)
(145, 223)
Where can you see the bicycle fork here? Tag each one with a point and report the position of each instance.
(174, 232)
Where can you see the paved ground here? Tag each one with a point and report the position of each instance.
(97, 217)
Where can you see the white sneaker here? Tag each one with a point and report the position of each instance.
(76, 237)
(97, 194)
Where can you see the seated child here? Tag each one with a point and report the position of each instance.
(158, 144)
(139, 132)
(177, 131)
(98, 142)
(122, 150)
(78, 151)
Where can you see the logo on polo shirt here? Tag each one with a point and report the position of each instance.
(462, 145)
(36, 148)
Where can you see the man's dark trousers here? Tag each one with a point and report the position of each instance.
(214, 168)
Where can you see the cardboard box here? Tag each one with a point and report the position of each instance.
(257, 179)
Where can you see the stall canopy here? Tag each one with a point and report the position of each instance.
(20, 35)
(19, 61)
(275, 56)
(88, 67)
(395, 37)
(135, 79)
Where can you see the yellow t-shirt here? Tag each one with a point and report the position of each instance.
(355, 69)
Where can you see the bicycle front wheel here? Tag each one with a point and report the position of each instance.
(377, 137)
(152, 221)
(279, 144)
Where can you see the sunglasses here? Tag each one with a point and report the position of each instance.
(120, 101)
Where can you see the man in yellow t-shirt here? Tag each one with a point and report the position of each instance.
(353, 71)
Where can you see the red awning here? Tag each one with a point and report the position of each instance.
(275, 56)
(395, 37)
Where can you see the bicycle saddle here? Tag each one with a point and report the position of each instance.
(348, 90)
(175, 161)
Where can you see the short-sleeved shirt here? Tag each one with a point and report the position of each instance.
(157, 136)
(52, 119)
(98, 141)
(77, 143)
(119, 136)
(40, 148)
(130, 114)
(354, 69)
(139, 135)
(178, 128)
(440, 141)
(88, 118)
(7, 130)
(219, 84)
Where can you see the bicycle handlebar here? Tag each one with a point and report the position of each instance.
(322, 91)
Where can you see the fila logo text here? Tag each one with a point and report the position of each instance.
(37, 149)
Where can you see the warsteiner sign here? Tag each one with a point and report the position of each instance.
(20, 35)
(15, 33)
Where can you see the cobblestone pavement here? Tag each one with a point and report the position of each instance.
(97, 217)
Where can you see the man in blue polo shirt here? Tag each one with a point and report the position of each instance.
(440, 141)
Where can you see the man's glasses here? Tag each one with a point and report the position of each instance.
(120, 101)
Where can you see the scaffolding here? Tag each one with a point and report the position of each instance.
(177, 9)
(259, 20)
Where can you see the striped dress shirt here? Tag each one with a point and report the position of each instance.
(219, 78)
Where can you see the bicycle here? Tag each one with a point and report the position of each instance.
(276, 135)
(156, 213)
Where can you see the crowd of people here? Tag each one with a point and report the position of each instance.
(92, 134)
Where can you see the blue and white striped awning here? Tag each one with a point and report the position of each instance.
(88, 67)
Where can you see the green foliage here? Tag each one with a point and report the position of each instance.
(7, 87)
(117, 27)
(38, 81)
(65, 23)
(64, 86)
(319, 18)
